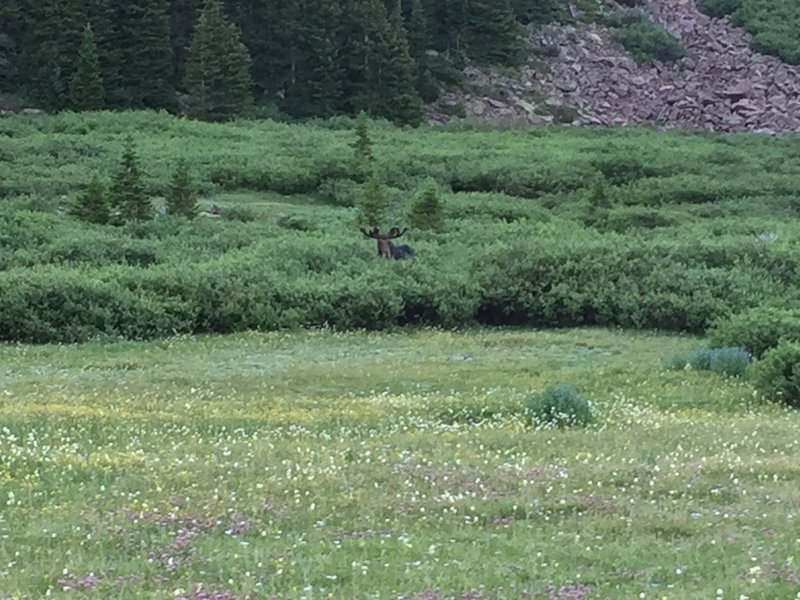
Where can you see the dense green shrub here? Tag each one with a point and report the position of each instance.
(757, 329)
(719, 8)
(558, 406)
(646, 41)
(339, 192)
(777, 375)
(625, 218)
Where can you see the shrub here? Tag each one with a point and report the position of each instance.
(725, 361)
(646, 41)
(427, 211)
(625, 218)
(560, 406)
(777, 375)
(296, 222)
(729, 361)
(239, 213)
(339, 192)
(719, 8)
(757, 329)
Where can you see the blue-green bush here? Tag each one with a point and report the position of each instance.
(558, 406)
(725, 361)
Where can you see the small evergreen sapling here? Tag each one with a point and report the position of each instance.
(427, 211)
(92, 205)
(362, 146)
(128, 195)
(182, 196)
(373, 204)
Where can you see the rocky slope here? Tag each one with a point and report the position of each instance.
(720, 85)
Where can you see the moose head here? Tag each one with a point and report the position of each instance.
(386, 249)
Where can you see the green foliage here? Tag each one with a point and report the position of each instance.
(373, 204)
(362, 146)
(772, 24)
(729, 361)
(338, 192)
(493, 33)
(776, 376)
(218, 68)
(242, 214)
(539, 11)
(92, 205)
(128, 195)
(86, 86)
(757, 329)
(427, 210)
(645, 41)
(686, 242)
(182, 195)
(558, 406)
(719, 8)
(142, 44)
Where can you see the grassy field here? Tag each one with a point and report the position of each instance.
(365, 465)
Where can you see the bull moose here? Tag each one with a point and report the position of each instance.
(386, 249)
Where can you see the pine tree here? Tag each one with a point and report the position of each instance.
(128, 195)
(402, 102)
(362, 55)
(315, 88)
(142, 37)
(373, 204)
(217, 71)
(182, 16)
(100, 15)
(182, 197)
(362, 147)
(427, 211)
(51, 37)
(493, 33)
(419, 43)
(86, 86)
(92, 205)
(267, 28)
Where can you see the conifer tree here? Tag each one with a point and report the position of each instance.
(182, 196)
(100, 14)
(267, 28)
(403, 104)
(315, 88)
(51, 38)
(362, 146)
(373, 204)
(128, 195)
(217, 72)
(493, 32)
(92, 205)
(86, 86)
(427, 211)
(363, 55)
(419, 43)
(142, 37)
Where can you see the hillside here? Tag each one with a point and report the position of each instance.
(580, 74)
(591, 62)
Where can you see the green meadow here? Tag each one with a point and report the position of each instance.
(256, 406)
(372, 465)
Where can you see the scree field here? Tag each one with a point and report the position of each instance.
(329, 465)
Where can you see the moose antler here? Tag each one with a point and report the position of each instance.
(395, 233)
